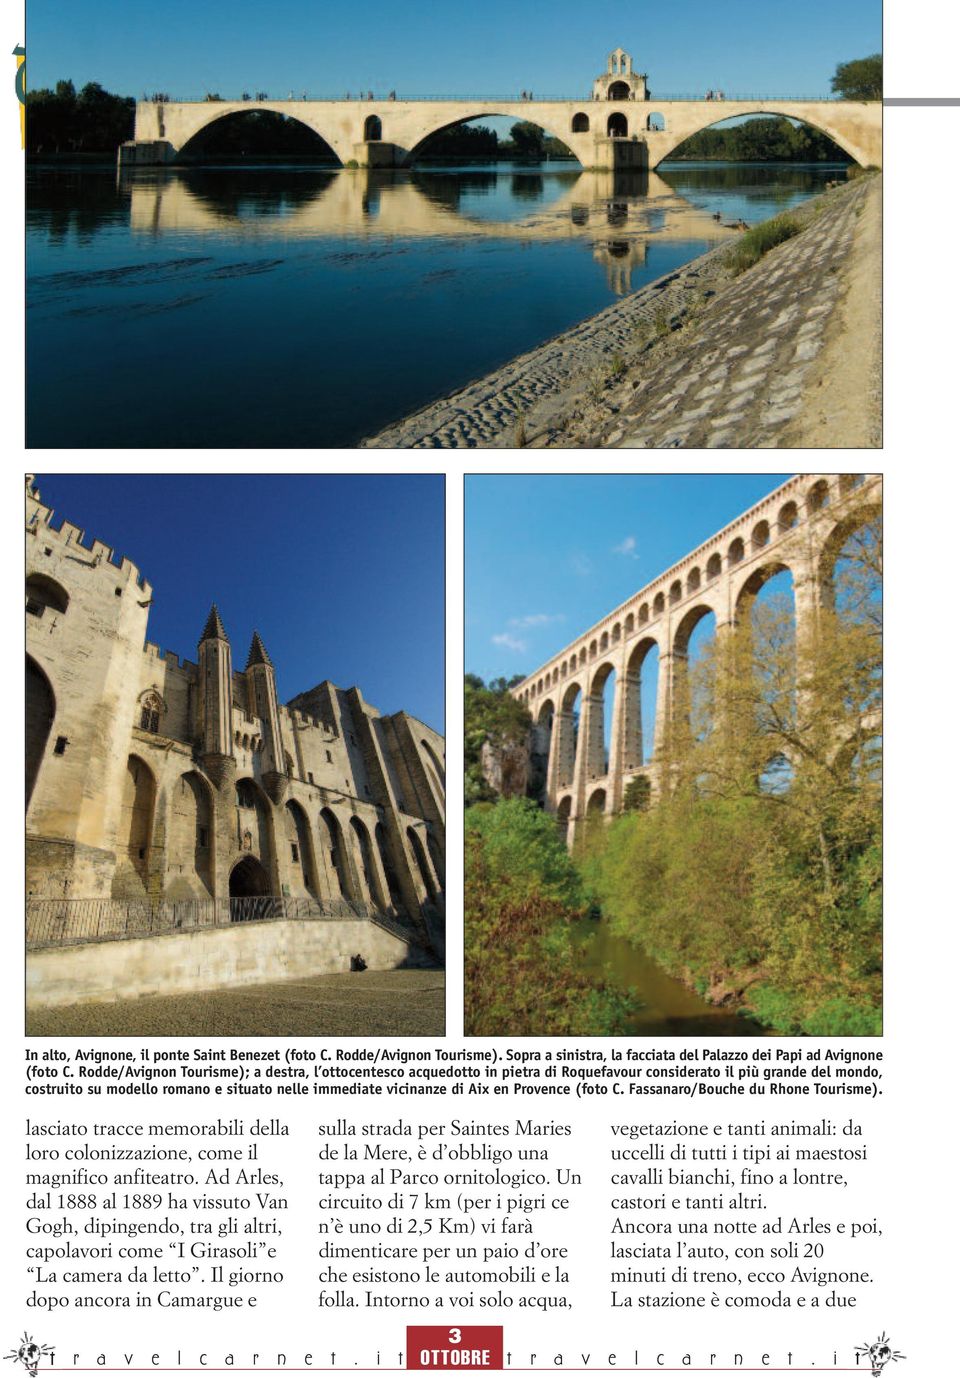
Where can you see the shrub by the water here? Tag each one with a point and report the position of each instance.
(759, 240)
(522, 971)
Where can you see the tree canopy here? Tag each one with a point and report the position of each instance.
(772, 139)
(860, 79)
(61, 121)
(490, 714)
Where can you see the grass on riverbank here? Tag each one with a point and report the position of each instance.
(760, 240)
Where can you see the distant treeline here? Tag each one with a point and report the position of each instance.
(65, 121)
(467, 141)
(259, 134)
(773, 140)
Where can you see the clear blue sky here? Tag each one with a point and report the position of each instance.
(342, 576)
(548, 556)
(188, 47)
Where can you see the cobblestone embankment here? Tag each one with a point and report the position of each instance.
(699, 358)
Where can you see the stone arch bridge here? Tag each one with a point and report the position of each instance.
(600, 133)
(799, 527)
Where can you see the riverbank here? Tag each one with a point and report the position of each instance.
(786, 354)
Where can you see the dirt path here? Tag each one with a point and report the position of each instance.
(842, 399)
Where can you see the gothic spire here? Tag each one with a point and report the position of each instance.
(213, 630)
(258, 654)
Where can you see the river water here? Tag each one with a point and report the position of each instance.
(664, 1006)
(300, 306)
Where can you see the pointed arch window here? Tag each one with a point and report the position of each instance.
(151, 712)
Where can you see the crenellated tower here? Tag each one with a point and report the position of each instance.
(262, 696)
(215, 702)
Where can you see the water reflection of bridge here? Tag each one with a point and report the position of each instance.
(617, 213)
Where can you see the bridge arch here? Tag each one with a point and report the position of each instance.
(692, 705)
(188, 121)
(692, 120)
(749, 588)
(558, 128)
(862, 518)
(565, 741)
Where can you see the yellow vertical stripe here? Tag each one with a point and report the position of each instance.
(22, 90)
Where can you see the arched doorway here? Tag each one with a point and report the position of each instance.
(617, 126)
(618, 90)
(40, 710)
(249, 891)
(372, 129)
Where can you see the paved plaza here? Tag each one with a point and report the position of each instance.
(401, 1004)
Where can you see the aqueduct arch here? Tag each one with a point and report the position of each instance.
(801, 527)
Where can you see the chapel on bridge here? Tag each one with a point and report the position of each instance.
(620, 81)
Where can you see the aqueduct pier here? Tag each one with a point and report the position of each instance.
(801, 527)
(607, 134)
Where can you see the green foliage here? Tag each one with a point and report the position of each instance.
(771, 139)
(861, 79)
(490, 714)
(61, 121)
(636, 796)
(768, 895)
(528, 139)
(522, 971)
(759, 240)
(522, 842)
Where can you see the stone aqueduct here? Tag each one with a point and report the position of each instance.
(800, 527)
